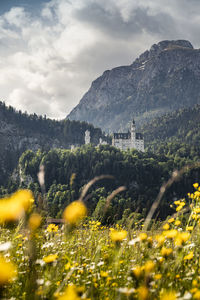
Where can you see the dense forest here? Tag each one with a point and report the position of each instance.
(66, 172)
(175, 134)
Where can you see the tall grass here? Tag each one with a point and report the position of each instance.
(85, 260)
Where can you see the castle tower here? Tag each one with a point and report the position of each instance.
(133, 134)
(87, 137)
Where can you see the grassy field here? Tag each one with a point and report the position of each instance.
(85, 260)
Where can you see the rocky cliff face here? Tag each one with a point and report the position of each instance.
(162, 79)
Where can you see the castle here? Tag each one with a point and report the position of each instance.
(129, 140)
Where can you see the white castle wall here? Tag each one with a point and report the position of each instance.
(129, 143)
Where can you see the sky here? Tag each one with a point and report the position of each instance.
(52, 50)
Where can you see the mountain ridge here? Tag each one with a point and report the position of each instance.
(161, 79)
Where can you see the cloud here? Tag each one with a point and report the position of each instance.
(49, 60)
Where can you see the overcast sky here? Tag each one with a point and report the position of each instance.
(51, 51)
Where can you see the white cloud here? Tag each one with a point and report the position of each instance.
(16, 17)
(48, 61)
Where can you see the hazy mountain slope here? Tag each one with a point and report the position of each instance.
(162, 79)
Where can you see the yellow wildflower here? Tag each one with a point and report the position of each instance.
(193, 290)
(149, 266)
(181, 238)
(143, 236)
(170, 234)
(74, 212)
(194, 282)
(34, 221)
(137, 272)
(114, 284)
(168, 295)
(197, 194)
(177, 222)
(70, 294)
(195, 185)
(171, 220)
(50, 258)
(13, 208)
(67, 266)
(118, 236)
(8, 271)
(166, 226)
(195, 216)
(104, 274)
(52, 228)
(177, 202)
(197, 295)
(157, 276)
(143, 292)
(196, 210)
(166, 251)
(160, 239)
(189, 256)
(25, 197)
(179, 208)
(189, 228)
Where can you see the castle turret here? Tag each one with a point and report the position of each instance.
(87, 137)
(133, 134)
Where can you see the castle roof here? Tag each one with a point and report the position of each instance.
(127, 136)
(139, 136)
(123, 136)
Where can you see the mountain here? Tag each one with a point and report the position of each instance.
(163, 79)
(20, 131)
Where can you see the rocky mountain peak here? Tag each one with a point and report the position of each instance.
(162, 46)
(164, 78)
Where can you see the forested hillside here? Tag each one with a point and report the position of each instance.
(20, 131)
(175, 134)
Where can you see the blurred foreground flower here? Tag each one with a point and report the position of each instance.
(168, 295)
(181, 238)
(143, 236)
(70, 294)
(50, 258)
(143, 292)
(34, 221)
(13, 208)
(7, 271)
(118, 236)
(189, 256)
(74, 212)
